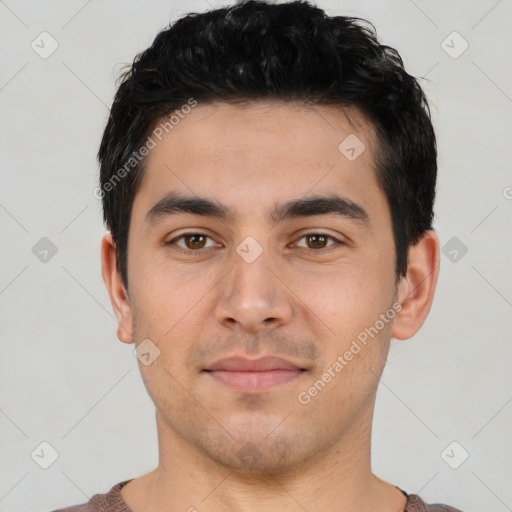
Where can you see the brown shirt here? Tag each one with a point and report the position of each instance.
(113, 502)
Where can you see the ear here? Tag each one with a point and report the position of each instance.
(416, 290)
(118, 294)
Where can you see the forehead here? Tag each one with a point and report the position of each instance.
(290, 128)
(254, 155)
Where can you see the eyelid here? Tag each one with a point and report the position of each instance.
(337, 241)
(189, 233)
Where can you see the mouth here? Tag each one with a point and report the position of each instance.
(254, 375)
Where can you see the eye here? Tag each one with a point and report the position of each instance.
(196, 242)
(193, 242)
(317, 241)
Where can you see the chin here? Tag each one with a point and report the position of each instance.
(258, 451)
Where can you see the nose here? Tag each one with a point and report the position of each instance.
(253, 296)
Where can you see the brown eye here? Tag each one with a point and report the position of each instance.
(319, 241)
(316, 241)
(195, 241)
(191, 242)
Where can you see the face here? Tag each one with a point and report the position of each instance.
(262, 273)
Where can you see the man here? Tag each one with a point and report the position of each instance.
(268, 178)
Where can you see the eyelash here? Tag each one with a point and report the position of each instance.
(338, 243)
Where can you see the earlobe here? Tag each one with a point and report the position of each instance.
(416, 289)
(116, 290)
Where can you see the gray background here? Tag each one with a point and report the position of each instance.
(67, 380)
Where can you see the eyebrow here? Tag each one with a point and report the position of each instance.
(174, 203)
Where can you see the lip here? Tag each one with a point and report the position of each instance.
(243, 364)
(252, 375)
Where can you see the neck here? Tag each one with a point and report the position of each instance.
(339, 479)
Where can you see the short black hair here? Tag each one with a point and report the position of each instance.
(285, 52)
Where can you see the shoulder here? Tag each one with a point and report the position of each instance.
(112, 501)
(416, 504)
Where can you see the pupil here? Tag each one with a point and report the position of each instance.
(318, 237)
(195, 237)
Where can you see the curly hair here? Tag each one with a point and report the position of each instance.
(286, 52)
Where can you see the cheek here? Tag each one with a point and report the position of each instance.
(170, 308)
(350, 302)
(343, 295)
(168, 291)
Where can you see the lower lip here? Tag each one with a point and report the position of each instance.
(255, 381)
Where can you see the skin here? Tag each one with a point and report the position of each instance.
(299, 299)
